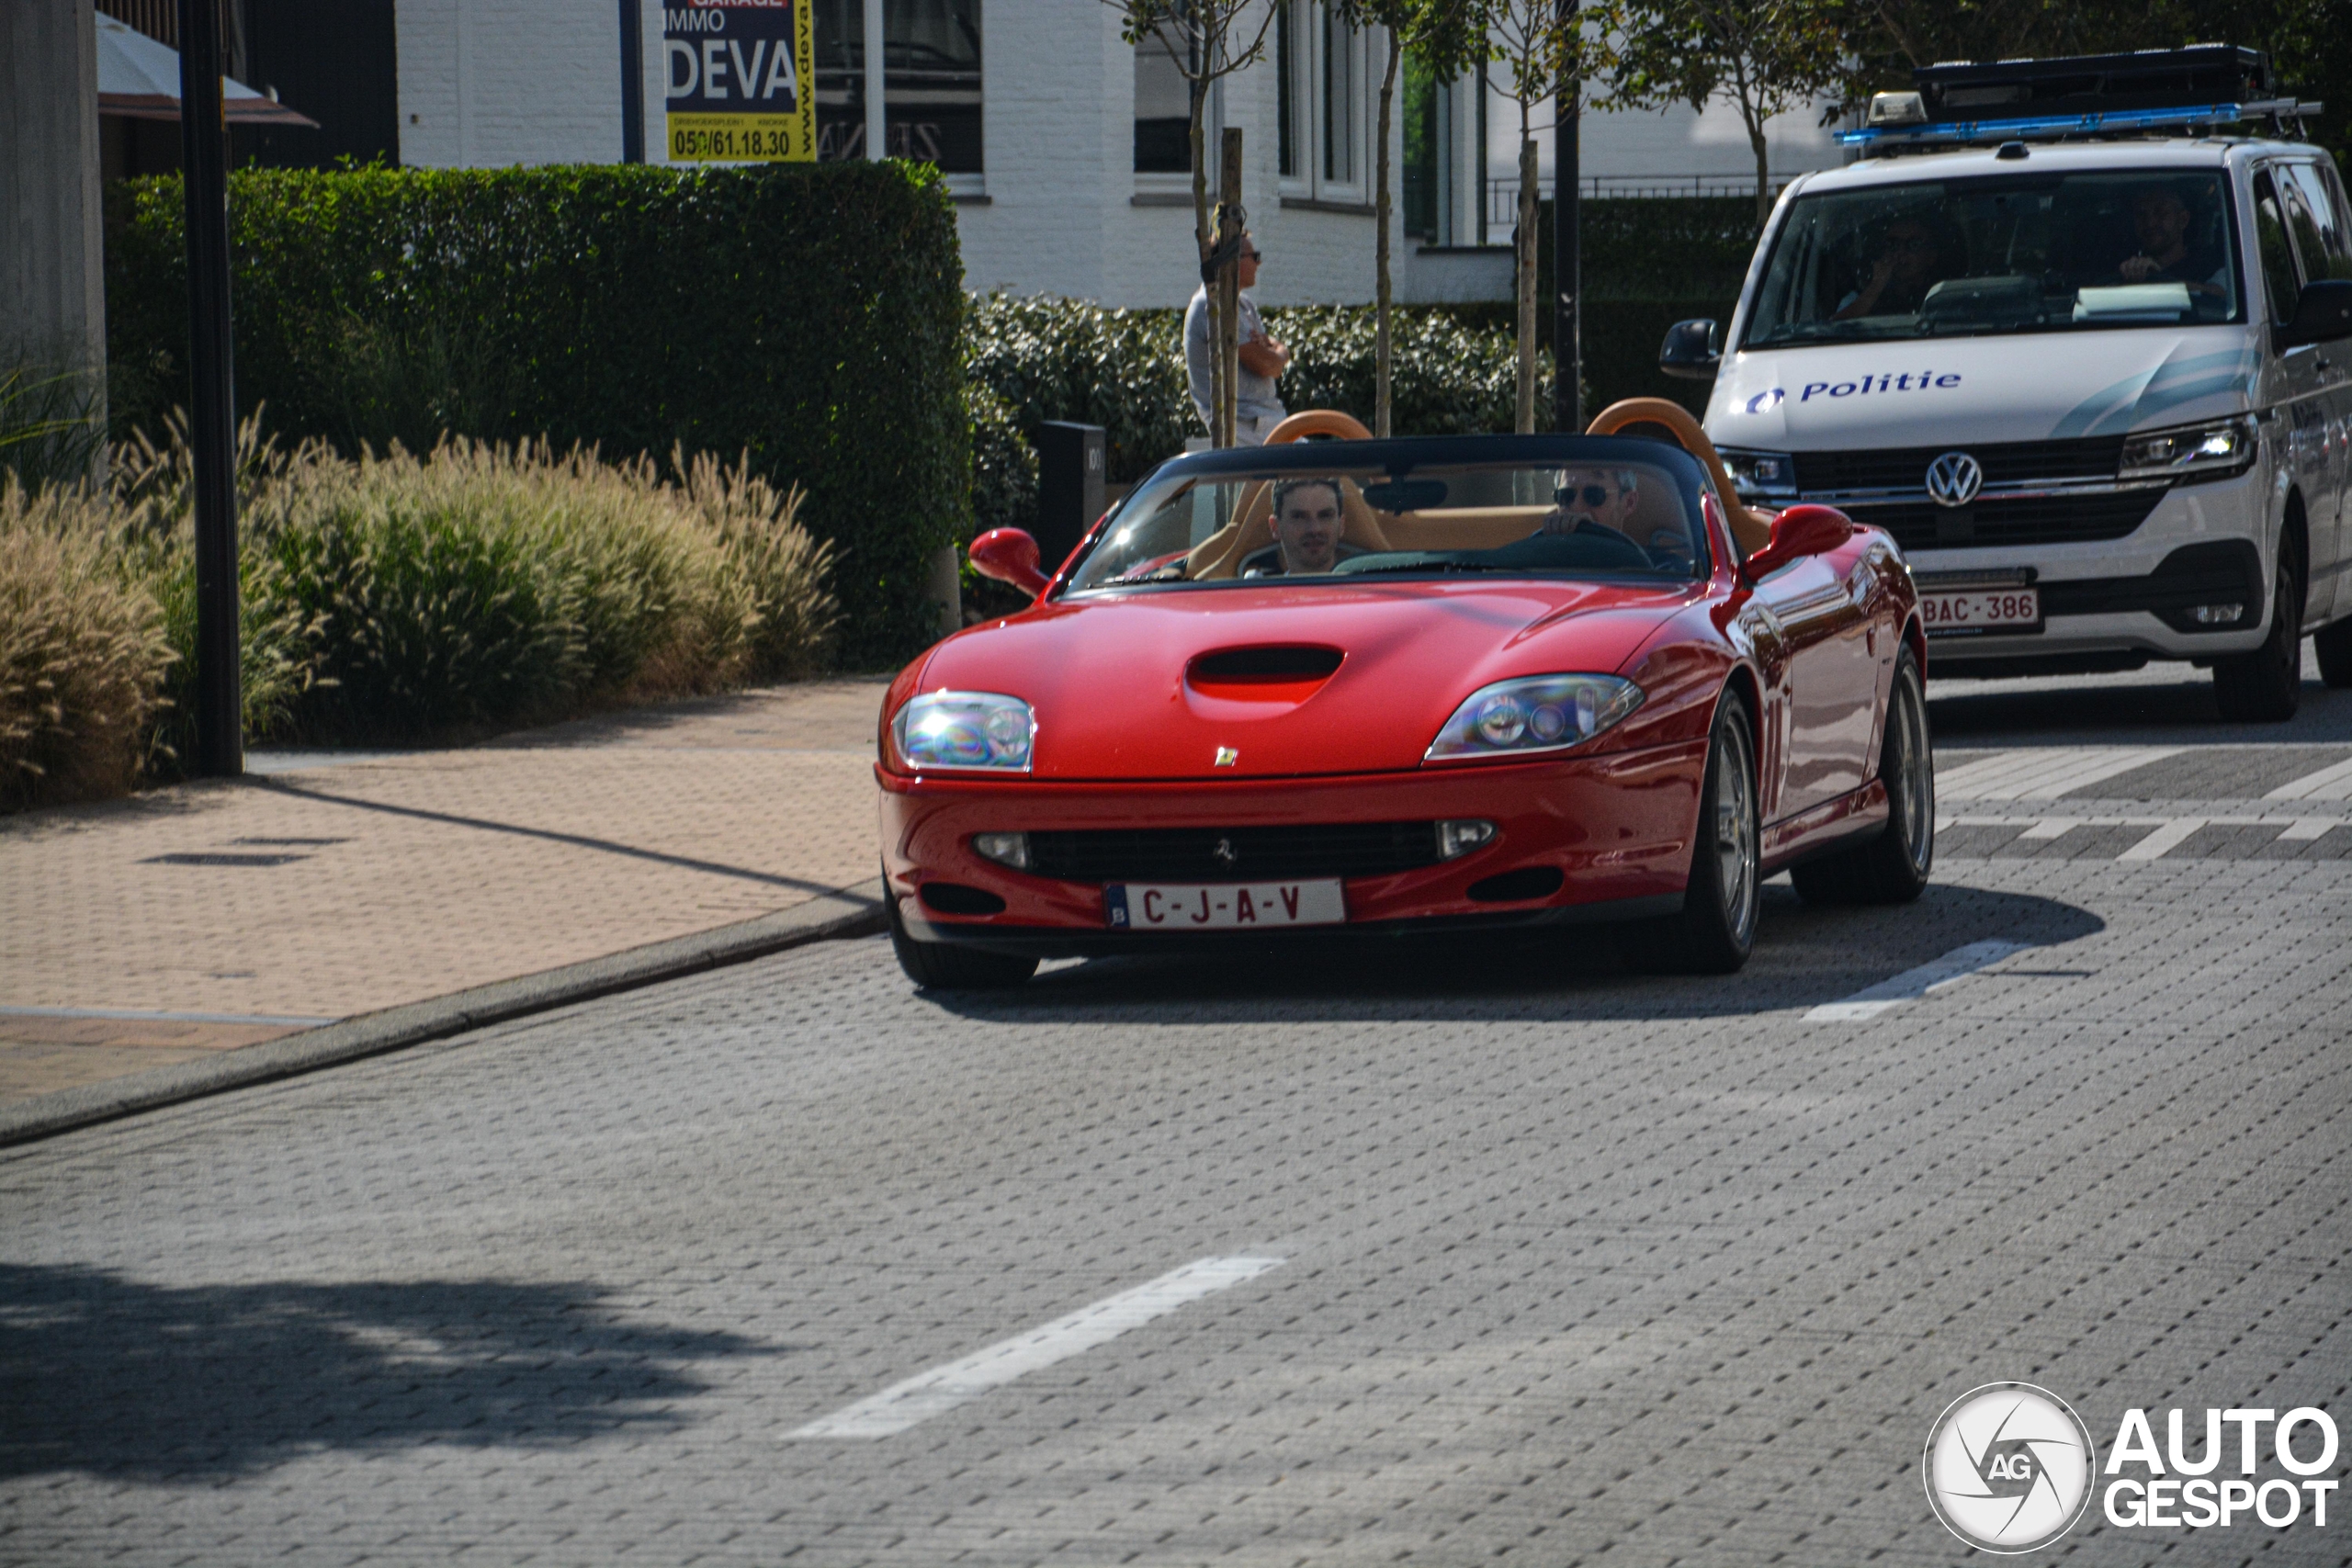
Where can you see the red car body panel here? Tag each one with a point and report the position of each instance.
(1129, 731)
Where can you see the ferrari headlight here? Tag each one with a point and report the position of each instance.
(2199, 451)
(1534, 713)
(964, 729)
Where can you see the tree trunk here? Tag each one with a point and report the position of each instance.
(1763, 173)
(1204, 236)
(1228, 290)
(1526, 422)
(1380, 218)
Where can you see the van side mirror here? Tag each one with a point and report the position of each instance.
(1799, 532)
(1010, 554)
(2322, 315)
(1690, 350)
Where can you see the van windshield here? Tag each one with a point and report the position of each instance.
(1987, 256)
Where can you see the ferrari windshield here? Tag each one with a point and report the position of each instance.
(1614, 516)
(1993, 255)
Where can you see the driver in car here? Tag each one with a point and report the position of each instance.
(1606, 500)
(2160, 224)
(1307, 523)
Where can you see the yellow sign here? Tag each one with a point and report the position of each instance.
(742, 81)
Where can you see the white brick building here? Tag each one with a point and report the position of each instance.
(1057, 138)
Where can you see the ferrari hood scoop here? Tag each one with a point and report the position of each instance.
(1271, 673)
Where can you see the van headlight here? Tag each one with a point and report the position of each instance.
(1761, 476)
(964, 729)
(2213, 450)
(1534, 713)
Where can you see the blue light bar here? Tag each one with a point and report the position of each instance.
(2067, 125)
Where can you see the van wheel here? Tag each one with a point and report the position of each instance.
(941, 966)
(2333, 645)
(2264, 686)
(1892, 866)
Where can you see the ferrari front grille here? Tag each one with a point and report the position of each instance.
(1233, 854)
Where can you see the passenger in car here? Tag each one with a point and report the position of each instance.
(1309, 520)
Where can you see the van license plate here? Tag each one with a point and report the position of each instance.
(1984, 610)
(1222, 905)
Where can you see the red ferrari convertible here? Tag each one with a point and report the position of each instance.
(1412, 685)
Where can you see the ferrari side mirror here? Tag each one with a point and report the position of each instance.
(1799, 532)
(1690, 350)
(1010, 554)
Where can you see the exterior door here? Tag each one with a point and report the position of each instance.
(1833, 680)
(2317, 222)
(2303, 414)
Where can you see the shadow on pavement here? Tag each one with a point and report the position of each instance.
(113, 1376)
(1803, 956)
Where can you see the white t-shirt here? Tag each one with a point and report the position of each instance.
(1255, 397)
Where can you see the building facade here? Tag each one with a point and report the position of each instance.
(1066, 148)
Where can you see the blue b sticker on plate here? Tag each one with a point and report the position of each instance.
(1114, 904)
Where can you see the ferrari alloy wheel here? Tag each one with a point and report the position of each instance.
(2263, 686)
(1716, 930)
(939, 966)
(1892, 866)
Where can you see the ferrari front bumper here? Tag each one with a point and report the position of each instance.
(1617, 828)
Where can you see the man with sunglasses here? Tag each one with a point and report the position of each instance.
(1256, 408)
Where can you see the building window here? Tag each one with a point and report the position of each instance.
(931, 96)
(1342, 73)
(1163, 110)
(1429, 151)
(1287, 86)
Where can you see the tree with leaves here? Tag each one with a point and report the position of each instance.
(1543, 54)
(1206, 39)
(1448, 37)
(1763, 57)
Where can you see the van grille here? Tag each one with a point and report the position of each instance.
(2053, 520)
(1190, 854)
(2004, 462)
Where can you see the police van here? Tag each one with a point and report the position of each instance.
(2077, 334)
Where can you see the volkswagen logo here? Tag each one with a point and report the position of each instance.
(1955, 478)
(1224, 852)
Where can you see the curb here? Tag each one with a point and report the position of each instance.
(850, 912)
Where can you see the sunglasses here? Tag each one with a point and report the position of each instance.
(1594, 495)
(1253, 256)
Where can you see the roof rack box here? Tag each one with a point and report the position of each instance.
(2093, 84)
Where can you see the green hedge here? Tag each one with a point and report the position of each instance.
(806, 316)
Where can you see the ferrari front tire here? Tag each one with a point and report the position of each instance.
(940, 966)
(1716, 929)
(1891, 867)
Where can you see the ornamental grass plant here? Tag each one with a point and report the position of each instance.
(392, 597)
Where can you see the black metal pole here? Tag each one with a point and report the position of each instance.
(1567, 335)
(213, 416)
(632, 81)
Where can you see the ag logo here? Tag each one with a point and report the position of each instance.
(1955, 478)
(2008, 1467)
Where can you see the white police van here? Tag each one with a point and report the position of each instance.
(2085, 356)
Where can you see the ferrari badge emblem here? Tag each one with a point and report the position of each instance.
(1223, 854)
(1227, 756)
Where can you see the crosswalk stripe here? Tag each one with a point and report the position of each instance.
(2164, 839)
(2052, 828)
(2307, 830)
(2045, 773)
(2328, 783)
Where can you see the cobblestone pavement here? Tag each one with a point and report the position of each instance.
(150, 930)
(1577, 1266)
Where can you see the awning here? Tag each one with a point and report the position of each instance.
(139, 79)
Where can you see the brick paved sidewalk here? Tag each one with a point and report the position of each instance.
(147, 932)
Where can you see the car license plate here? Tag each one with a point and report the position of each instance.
(1981, 610)
(1222, 905)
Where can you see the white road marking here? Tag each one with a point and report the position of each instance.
(930, 1393)
(136, 1015)
(2305, 829)
(2164, 839)
(2052, 828)
(2328, 783)
(1912, 983)
(2045, 773)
